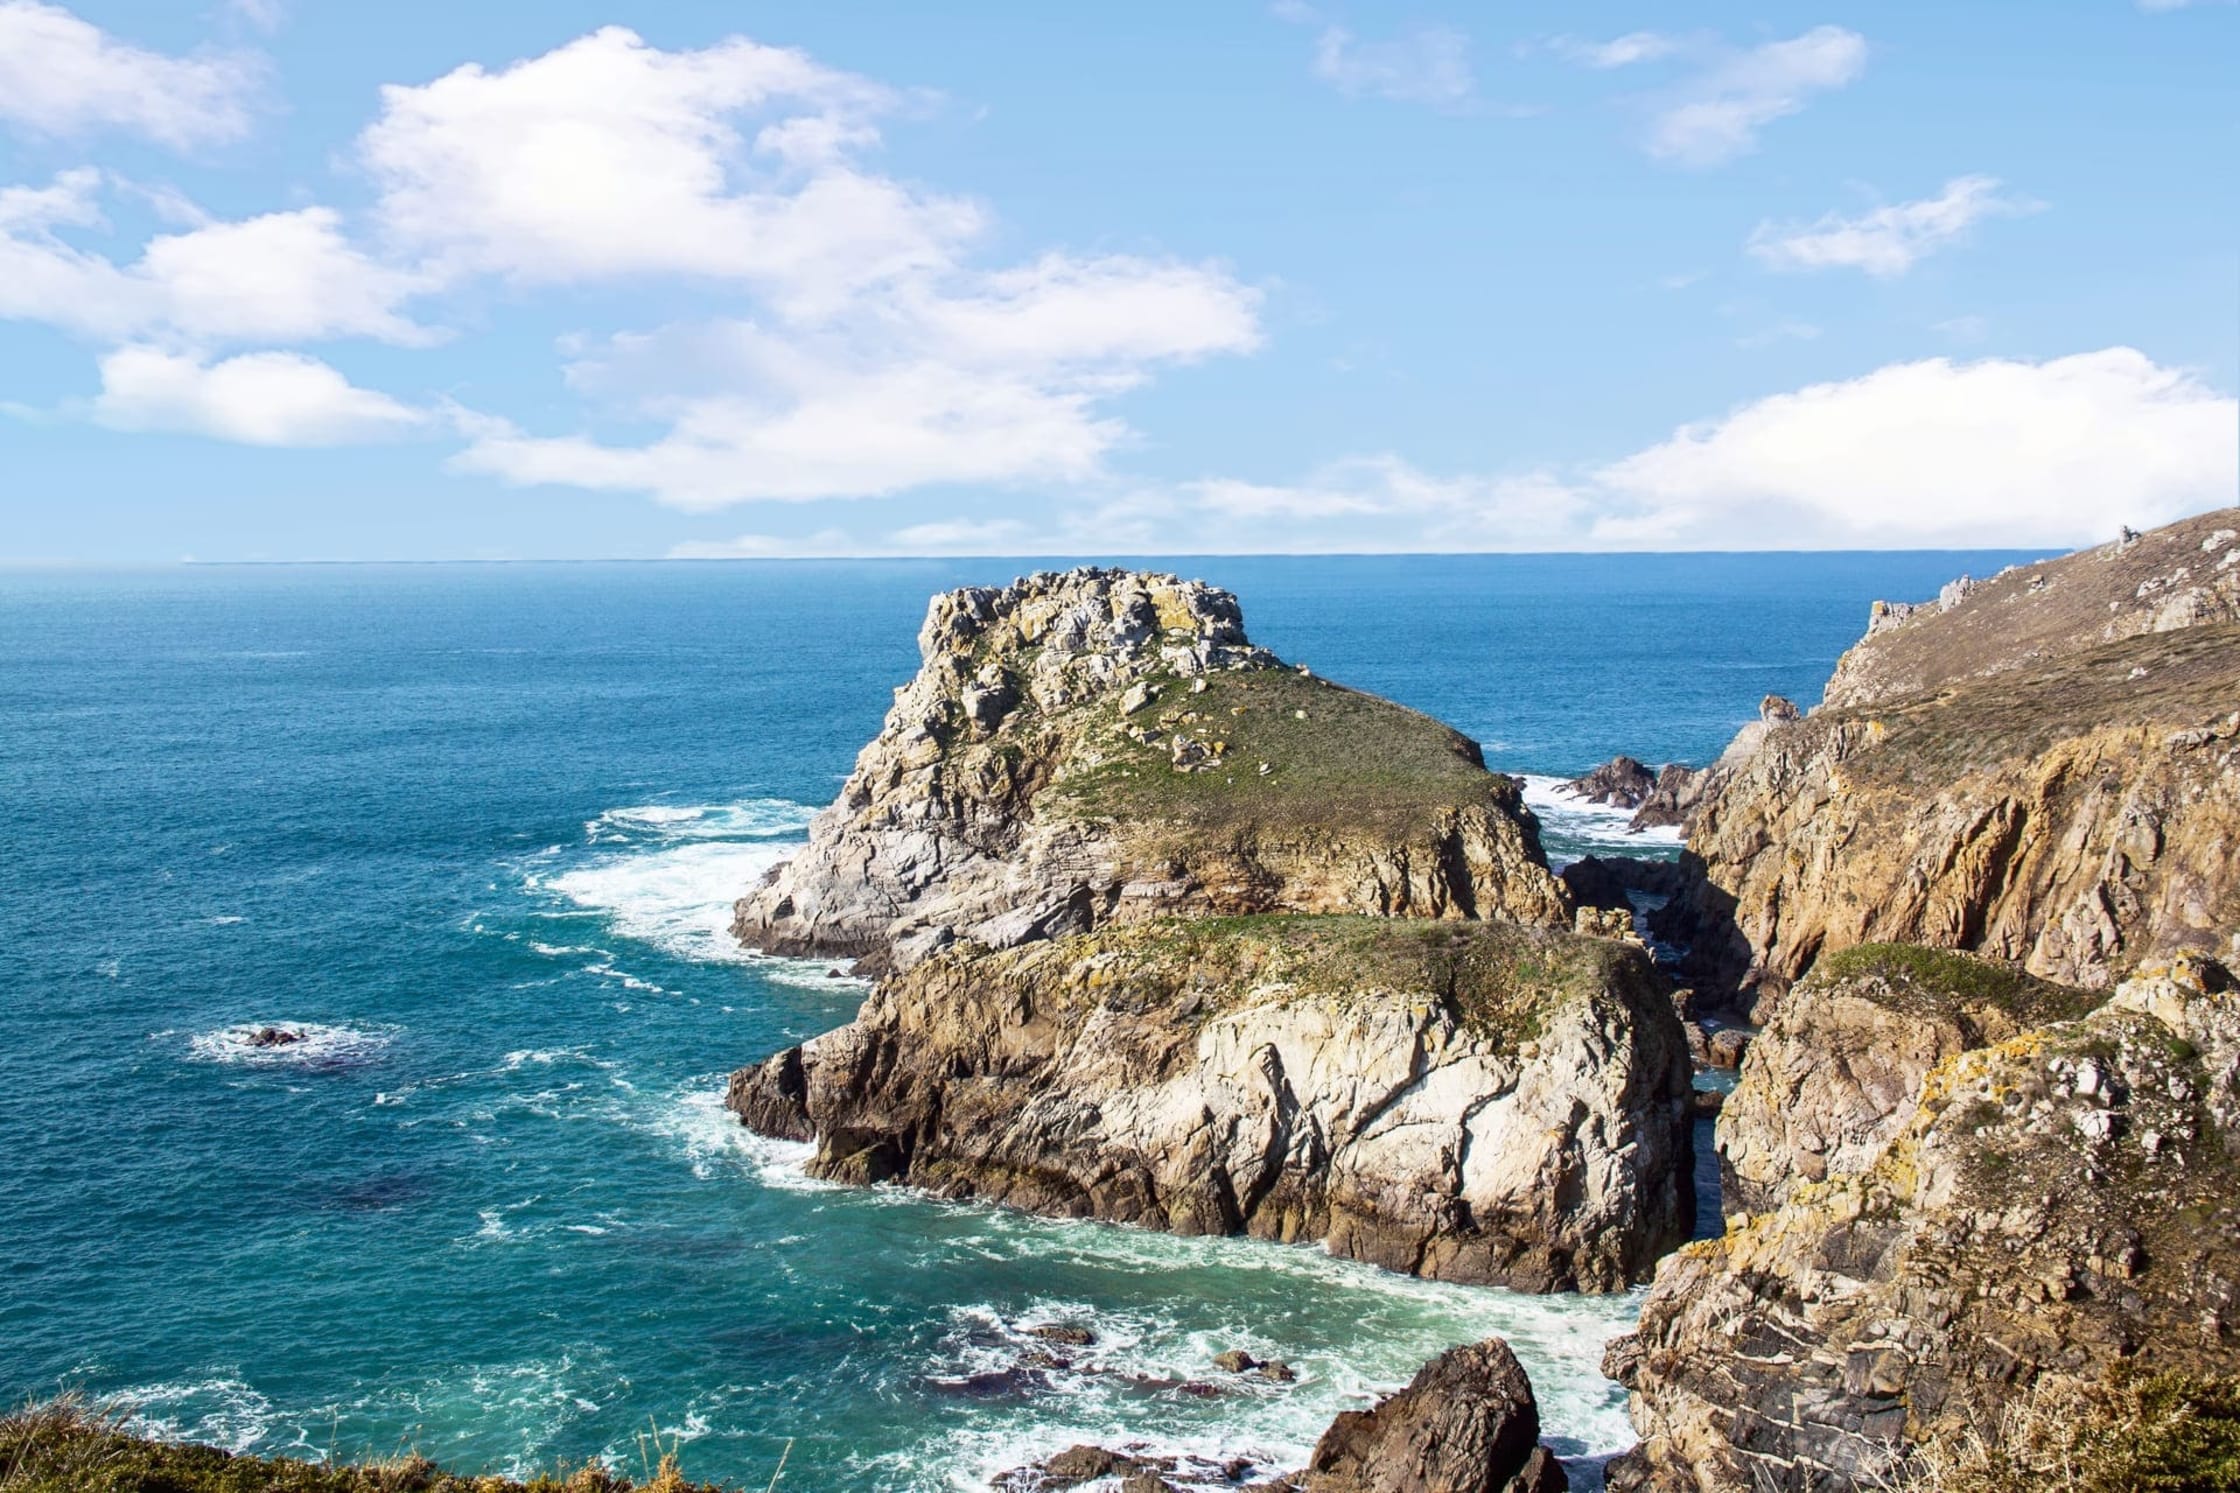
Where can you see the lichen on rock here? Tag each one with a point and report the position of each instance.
(2058, 1202)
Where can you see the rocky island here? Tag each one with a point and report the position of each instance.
(1173, 934)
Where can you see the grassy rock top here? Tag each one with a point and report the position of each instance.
(2179, 576)
(1917, 980)
(1500, 980)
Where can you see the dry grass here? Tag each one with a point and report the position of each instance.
(2160, 1433)
(72, 1445)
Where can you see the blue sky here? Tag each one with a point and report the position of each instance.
(283, 280)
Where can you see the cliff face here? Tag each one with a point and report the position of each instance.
(2044, 768)
(1104, 746)
(2057, 1202)
(1472, 1101)
(1834, 1077)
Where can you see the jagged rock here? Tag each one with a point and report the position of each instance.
(1467, 1423)
(1620, 783)
(2046, 771)
(1835, 1076)
(1234, 1361)
(1603, 922)
(1014, 792)
(1472, 1101)
(274, 1036)
(2058, 1202)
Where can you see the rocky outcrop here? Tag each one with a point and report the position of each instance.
(1105, 746)
(1620, 783)
(2046, 770)
(2059, 1202)
(1473, 1101)
(1826, 1086)
(1467, 1423)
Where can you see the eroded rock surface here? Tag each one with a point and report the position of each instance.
(1836, 1076)
(2057, 1203)
(1472, 1101)
(1467, 1423)
(1103, 745)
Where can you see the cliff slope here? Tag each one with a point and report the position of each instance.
(1836, 1074)
(1102, 746)
(1473, 1101)
(2058, 1204)
(2044, 768)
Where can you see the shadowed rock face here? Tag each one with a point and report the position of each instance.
(1105, 746)
(1837, 1073)
(1472, 1101)
(1466, 1424)
(2044, 768)
(2056, 1202)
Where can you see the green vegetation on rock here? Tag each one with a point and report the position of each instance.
(1940, 978)
(67, 1447)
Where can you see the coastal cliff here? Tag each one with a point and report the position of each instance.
(2043, 767)
(1105, 746)
(2057, 1204)
(1472, 1101)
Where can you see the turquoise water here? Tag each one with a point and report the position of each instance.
(477, 828)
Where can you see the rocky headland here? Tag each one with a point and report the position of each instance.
(1104, 746)
(2043, 767)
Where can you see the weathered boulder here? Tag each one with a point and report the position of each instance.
(2058, 1203)
(1473, 1101)
(1467, 1423)
(2046, 770)
(1101, 746)
(1826, 1086)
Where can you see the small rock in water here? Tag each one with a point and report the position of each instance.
(1235, 1361)
(274, 1036)
(1059, 1332)
(1276, 1371)
(833, 974)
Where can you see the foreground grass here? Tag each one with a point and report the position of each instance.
(69, 1446)
(2159, 1433)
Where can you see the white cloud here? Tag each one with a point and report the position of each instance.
(283, 277)
(877, 360)
(1430, 65)
(2162, 5)
(259, 399)
(823, 544)
(265, 15)
(608, 157)
(1716, 116)
(60, 75)
(1622, 51)
(1994, 452)
(995, 378)
(1890, 240)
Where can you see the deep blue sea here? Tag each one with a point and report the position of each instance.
(476, 829)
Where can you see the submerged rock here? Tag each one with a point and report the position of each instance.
(1471, 1101)
(1467, 1423)
(1104, 746)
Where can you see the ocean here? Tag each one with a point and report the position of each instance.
(476, 830)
